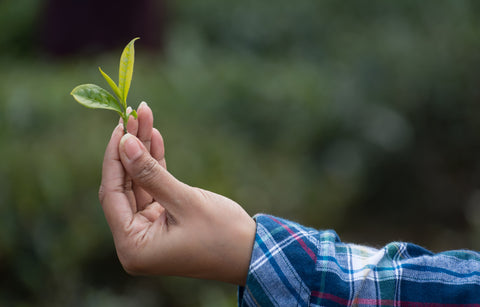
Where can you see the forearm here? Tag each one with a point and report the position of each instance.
(294, 265)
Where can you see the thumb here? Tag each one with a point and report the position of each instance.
(146, 172)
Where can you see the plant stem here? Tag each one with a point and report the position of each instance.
(125, 122)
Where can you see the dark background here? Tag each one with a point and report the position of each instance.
(360, 116)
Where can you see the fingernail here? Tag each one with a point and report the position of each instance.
(131, 147)
(142, 104)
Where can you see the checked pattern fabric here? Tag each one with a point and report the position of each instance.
(293, 265)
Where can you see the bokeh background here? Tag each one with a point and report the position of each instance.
(361, 116)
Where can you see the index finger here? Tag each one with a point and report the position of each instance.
(115, 203)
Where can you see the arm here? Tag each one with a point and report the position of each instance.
(163, 226)
(293, 265)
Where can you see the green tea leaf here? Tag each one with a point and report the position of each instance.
(95, 97)
(112, 84)
(126, 70)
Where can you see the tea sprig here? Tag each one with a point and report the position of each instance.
(95, 97)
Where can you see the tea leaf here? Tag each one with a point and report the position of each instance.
(95, 97)
(126, 70)
(112, 84)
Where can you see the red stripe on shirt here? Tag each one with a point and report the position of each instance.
(299, 240)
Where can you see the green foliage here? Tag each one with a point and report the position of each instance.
(95, 97)
(112, 84)
(125, 71)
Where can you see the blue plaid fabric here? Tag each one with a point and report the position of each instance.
(293, 265)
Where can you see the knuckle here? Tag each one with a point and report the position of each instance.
(148, 171)
(127, 186)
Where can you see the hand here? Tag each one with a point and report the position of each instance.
(162, 226)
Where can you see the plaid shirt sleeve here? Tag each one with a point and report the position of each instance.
(293, 265)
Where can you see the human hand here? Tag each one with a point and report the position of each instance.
(162, 226)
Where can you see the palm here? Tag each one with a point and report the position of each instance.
(143, 221)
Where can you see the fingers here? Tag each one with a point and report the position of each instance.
(132, 125)
(147, 172)
(112, 172)
(145, 124)
(144, 133)
(142, 127)
(132, 128)
(157, 148)
(115, 203)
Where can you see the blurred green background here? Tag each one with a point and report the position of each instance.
(361, 116)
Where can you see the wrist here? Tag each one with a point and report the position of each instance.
(231, 239)
(246, 240)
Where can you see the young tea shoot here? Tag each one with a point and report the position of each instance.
(95, 97)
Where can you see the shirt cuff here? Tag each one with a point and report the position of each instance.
(274, 277)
